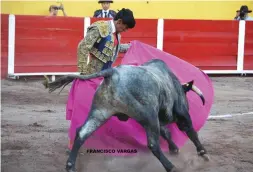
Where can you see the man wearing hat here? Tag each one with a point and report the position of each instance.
(242, 14)
(105, 12)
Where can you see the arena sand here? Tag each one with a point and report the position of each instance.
(34, 133)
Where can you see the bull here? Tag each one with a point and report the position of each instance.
(150, 94)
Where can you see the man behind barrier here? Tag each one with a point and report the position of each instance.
(242, 14)
(53, 10)
(105, 12)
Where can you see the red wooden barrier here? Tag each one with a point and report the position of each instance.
(47, 44)
(248, 49)
(209, 45)
(4, 45)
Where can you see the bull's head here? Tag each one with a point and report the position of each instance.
(190, 86)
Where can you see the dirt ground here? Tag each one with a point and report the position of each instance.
(34, 133)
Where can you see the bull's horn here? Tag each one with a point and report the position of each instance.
(196, 90)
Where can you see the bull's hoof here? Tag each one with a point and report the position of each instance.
(70, 167)
(204, 155)
(71, 170)
(173, 149)
(174, 170)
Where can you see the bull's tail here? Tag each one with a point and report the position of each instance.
(190, 86)
(65, 80)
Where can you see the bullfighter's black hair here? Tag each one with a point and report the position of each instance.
(127, 17)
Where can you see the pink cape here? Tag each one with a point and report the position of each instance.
(116, 134)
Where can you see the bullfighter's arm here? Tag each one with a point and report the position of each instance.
(85, 46)
(124, 47)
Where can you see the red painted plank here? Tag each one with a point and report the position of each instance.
(201, 25)
(211, 37)
(46, 33)
(205, 63)
(205, 44)
(4, 45)
(60, 44)
(60, 22)
(248, 49)
(248, 62)
(47, 42)
(202, 48)
(48, 68)
(45, 59)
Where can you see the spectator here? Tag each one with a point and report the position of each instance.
(243, 13)
(53, 10)
(105, 12)
(237, 15)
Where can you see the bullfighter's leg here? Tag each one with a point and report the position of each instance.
(184, 123)
(96, 118)
(165, 133)
(152, 129)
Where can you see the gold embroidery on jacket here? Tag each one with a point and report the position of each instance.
(103, 28)
(96, 32)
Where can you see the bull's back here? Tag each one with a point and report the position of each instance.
(136, 84)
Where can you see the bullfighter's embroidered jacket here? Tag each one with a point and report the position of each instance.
(98, 50)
